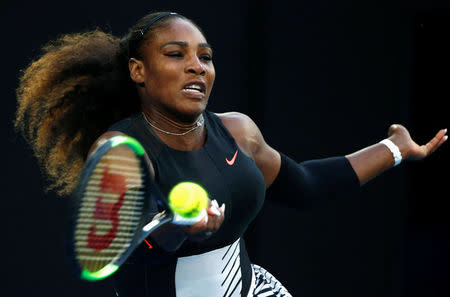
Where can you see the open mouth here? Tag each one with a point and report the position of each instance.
(196, 87)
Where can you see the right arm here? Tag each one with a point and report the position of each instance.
(171, 236)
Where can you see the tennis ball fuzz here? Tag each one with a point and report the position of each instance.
(188, 199)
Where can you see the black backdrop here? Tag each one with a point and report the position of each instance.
(320, 78)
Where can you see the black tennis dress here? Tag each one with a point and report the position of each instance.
(219, 265)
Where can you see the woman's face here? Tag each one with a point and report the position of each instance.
(178, 72)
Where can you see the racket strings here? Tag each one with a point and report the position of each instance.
(111, 208)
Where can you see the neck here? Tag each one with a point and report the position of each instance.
(169, 123)
(178, 134)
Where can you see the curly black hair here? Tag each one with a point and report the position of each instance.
(77, 88)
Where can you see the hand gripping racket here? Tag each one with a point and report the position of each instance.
(114, 203)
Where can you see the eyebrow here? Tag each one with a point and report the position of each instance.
(184, 44)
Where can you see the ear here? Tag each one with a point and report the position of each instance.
(137, 71)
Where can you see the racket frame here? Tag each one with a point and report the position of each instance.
(150, 189)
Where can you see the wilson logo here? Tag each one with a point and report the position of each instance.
(110, 183)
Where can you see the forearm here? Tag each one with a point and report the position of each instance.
(375, 159)
(171, 236)
(302, 185)
(371, 161)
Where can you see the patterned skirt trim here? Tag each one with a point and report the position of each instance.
(266, 285)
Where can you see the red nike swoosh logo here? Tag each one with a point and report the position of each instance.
(231, 162)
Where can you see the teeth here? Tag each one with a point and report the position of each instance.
(194, 87)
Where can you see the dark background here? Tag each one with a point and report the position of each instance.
(320, 78)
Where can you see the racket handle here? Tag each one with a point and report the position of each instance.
(155, 224)
(169, 218)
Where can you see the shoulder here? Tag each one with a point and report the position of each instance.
(124, 125)
(251, 141)
(235, 120)
(243, 129)
(104, 138)
(108, 135)
(118, 128)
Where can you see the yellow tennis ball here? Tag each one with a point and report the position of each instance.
(188, 199)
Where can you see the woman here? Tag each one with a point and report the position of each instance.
(81, 87)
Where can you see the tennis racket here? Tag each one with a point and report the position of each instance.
(115, 203)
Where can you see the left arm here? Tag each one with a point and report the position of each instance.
(366, 163)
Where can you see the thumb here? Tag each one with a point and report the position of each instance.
(393, 129)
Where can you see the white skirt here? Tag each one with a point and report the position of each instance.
(218, 274)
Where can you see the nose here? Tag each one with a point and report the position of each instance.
(195, 66)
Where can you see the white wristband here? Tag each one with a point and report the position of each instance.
(394, 149)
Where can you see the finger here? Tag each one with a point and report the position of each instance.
(219, 220)
(222, 210)
(217, 207)
(443, 139)
(201, 224)
(205, 219)
(213, 210)
(392, 129)
(216, 221)
(435, 142)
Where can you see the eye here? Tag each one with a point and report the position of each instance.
(174, 54)
(206, 57)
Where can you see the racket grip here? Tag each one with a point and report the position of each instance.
(169, 218)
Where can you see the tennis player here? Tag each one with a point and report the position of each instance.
(154, 85)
